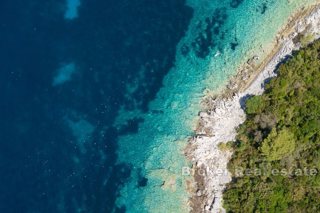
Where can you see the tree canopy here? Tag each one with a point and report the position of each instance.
(281, 140)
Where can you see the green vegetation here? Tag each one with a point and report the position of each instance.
(305, 40)
(225, 146)
(276, 156)
(278, 145)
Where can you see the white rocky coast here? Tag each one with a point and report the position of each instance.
(218, 124)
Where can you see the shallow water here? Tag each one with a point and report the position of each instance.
(99, 97)
(221, 36)
(63, 79)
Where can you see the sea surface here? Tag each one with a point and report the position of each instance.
(99, 97)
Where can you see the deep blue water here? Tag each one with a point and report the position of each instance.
(57, 143)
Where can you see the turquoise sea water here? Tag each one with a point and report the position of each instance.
(221, 36)
(99, 97)
(66, 68)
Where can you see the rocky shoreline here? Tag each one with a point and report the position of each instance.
(224, 112)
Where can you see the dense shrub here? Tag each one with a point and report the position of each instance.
(280, 141)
